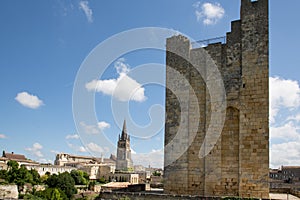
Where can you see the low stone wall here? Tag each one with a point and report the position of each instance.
(160, 196)
(295, 192)
(292, 191)
(134, 188)
(149, 196)
(280, 190)
(9, 192)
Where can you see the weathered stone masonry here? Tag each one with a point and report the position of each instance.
(239, 162)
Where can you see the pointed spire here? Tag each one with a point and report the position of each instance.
(124, 126)
(124, 131)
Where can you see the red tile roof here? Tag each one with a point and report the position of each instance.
(13, 156)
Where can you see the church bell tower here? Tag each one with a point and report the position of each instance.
(124, 162)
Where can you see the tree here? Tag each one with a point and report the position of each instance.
(20, 175)
(156, 173)
(12, 171)
(80, 177)
(52, 180)
(67, 184)
(56, 195)
(12, 165)
(63, 181)
(102, 180)
(3, 174)
(52, 194)
(36, 179)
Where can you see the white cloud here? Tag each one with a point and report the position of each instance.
(284, 122)
(285, 154)
(155, 158)
(89, 129)
(209, 13)
(94, 148)
(76, 148)
(82, 149)
(44, 160)
(284, 93)
(287, 132)
(2, 136)
(295, 118)
(84, 5)
(121, 66)
(132, 151)
(28, 100)
(75, 136)
(35, 150)
(123, 88)
(103, 125)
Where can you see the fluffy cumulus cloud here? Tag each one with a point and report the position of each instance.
(35, 150)
(75, 136)
(94, 148)
(123, 88)
(286, 132)
(284, 122)
(89, 129)
(82, 149)
(208, 13)
(2, 136)
(84, 5)
(287, 153)
(103, 125)
(76, 147)
(284, 93)
(28, 100)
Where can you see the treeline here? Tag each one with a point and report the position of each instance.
(58, 186)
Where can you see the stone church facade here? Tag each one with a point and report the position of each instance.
(238, 162)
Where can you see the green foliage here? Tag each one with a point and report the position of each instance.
(52, 180)
(44, 178)
(102, 180)
(31, 197)
(86, 176)
(80, 177)
(12, 165)
(60, 187)
(19, 175)
(125, 198)
(3, 173)
(130, 169)
(91, 185)
(36, 178)
(52, 194)
(63, 181)
(156, 173)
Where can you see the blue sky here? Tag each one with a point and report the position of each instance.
(44, 44)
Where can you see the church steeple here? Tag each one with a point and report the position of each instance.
(124, 161)
(124, 135)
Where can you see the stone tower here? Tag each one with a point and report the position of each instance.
(238, 162)
(124, 161)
